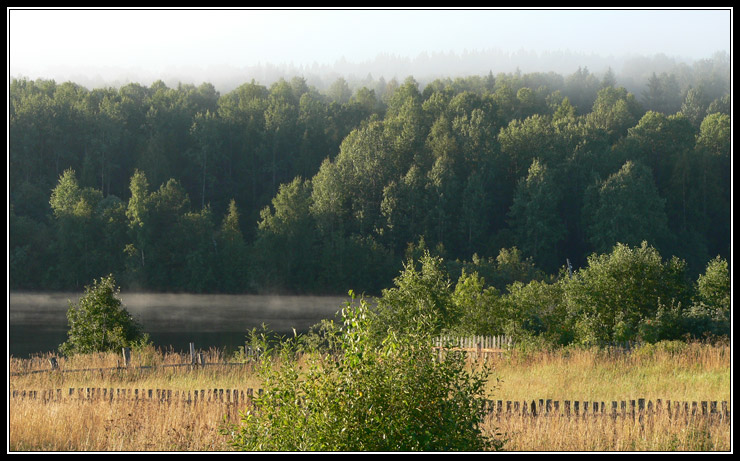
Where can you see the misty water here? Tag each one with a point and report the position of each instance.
(37, 322)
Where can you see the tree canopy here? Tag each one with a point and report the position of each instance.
(287, 187)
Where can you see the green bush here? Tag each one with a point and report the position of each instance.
(422, 294)
(364, 395)
(619, 291)
(667, 324)
(99, 322)
(710, 313)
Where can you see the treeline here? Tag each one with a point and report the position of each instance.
(629, 293)
(285, 188)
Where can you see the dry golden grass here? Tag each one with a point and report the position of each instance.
(606, 434)
(673, 371)
(693, 372)
(164, 370)
(120, 425)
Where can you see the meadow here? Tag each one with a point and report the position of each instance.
(93, 403)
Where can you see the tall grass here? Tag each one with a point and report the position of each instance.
(670, 370)
(606, 434)
(120, 425)
(667, 371)
(150, 368)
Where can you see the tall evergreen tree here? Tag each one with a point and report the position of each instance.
(535, 217)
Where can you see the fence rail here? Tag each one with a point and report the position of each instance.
(636, 408)
(197, 359)
(472, 343)
(480, 347)
(123, 368)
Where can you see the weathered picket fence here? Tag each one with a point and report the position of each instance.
(499, 342)
(477, 348)
(503, 342)
(127, 394)
(636, 408)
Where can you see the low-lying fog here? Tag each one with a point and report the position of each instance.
(38, 322)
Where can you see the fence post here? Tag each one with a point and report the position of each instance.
(192, 353)
(126, 356)
(53, 363)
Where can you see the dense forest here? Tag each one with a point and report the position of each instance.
(287, 188)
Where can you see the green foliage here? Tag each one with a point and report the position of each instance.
(421, 298)
(713, 287)
(388, 164)
(79, 221)
(710, 314)
(629, 294)
(392, 395)
(534, 215)
(667, 324)
(609, 298)
(614, 111)
(625, 208)
(285, 239)
(232, 272)
(537, 309)
(507, 267)
(481, 308)
(99, 323)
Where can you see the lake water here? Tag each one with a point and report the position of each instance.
(37, 322)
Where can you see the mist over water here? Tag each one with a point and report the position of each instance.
(37, 322)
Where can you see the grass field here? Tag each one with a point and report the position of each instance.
(670, 372)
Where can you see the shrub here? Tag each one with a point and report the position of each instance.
(536, 309)
(420, 294)
(99, 322)
(396, 395)
(610, 298)
(710, 313)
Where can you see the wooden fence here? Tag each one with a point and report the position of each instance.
(636, 409)
(110, 394)
(477, 347)
(503, 342)
(197, 359)
(474, 342)
(482, 344)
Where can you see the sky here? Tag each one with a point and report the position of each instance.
(45, 43)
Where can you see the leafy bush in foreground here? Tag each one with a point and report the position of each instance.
(364, 395)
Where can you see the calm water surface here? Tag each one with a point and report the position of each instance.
(37, 322)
